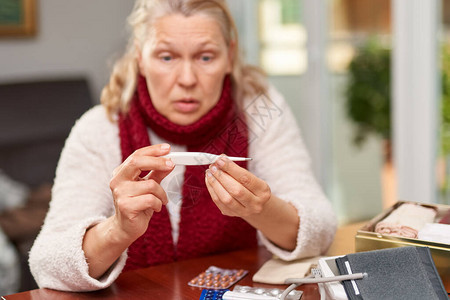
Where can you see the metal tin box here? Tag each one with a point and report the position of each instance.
(366, 239)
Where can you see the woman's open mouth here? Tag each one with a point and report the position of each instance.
(186, 105)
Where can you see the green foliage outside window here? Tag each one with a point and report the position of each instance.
(445, 104)
(368, 102)
(369, 96)
(368, 92)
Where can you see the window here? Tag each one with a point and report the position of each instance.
(282, 37)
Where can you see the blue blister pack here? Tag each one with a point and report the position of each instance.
(210, 294)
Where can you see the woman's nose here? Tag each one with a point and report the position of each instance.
(187, 76)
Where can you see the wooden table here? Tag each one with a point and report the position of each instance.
(169, 281)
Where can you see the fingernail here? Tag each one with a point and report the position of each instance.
(208, 173)
(213, 169)
(221, 162)
(169, 163)
(165, 146)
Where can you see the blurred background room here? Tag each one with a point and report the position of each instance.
(367, 81)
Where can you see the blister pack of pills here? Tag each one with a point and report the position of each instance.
(217, 278)
(272, 292)
(209, 294)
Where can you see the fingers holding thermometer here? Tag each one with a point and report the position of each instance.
(146, 159)
(136, 198)
(235, 190)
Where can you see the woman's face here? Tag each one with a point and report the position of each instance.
(185, 62)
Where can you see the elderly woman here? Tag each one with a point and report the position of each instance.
(119, 203)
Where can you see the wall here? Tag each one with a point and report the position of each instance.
(75, 37)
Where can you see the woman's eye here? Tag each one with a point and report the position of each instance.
(206, 58)
(166, 58)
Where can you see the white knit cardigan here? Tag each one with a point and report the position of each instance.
(81, 196)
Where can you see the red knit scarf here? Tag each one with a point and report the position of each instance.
(202, 229)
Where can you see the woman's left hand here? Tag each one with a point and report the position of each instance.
(235, 190)
(239, 193)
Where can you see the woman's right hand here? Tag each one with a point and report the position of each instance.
(136, 198)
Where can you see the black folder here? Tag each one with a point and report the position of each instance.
(397, 273)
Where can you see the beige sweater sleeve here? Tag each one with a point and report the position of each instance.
(80, 198)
